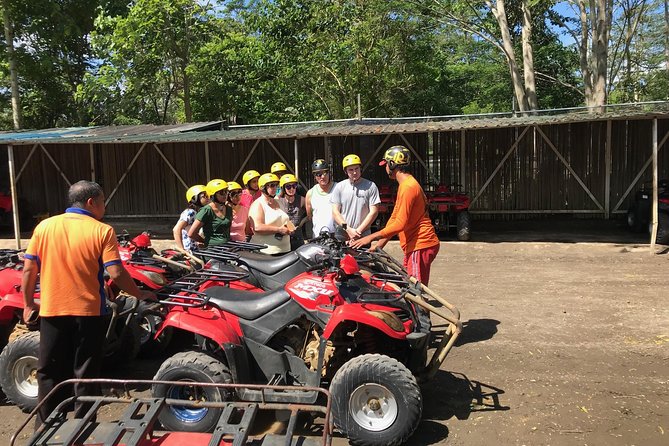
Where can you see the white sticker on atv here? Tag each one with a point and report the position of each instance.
(310, 289)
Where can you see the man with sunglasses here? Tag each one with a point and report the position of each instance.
(317, 200)
(355, 202)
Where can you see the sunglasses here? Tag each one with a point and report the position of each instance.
(235, 193)
(290, 186)
(272, 185)
(320, 174)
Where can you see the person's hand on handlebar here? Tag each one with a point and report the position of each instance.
(359, 243)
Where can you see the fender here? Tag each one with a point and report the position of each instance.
(210, 327)
(136, 274)
(357, 313)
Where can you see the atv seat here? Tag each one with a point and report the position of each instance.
(266, 264)
(246, 304)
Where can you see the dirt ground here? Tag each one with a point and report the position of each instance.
(565, 342)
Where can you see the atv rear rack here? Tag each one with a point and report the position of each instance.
(137, 425)
(415, 294)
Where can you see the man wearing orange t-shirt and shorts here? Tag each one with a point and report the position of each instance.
(409, 219)
(70, 252)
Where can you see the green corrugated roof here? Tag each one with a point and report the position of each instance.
(199, 132)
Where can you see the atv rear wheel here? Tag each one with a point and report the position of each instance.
(464, 225)
(662, 228)
(192, 367)
(18, 363)
(376, 401)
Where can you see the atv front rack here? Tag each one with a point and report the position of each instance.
(136, 426)
(414, 293)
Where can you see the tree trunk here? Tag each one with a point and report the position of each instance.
(17, 116)
(583, 53)
(666, 35)
(528, 58)
(600, 19)
(499, 12)
(188, 111)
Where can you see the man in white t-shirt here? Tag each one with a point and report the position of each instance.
(355, 202)
(317, 200)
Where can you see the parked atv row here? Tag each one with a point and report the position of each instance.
(360, 328)
(639, 213)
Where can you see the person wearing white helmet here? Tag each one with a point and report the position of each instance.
(196, 196)
(355, 202)
(214, 219)
(271, 225)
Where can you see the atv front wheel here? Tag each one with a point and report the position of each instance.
(464, 225)
(195, 367)
(18, 363)
(376, 401)
(149, 324)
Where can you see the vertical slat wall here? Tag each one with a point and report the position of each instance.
(532, 178)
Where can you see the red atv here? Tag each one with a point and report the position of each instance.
(362, 335)
(449, 207)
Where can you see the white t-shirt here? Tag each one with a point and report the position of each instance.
(356, 201)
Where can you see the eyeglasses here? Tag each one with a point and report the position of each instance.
(290, 186)
(222, 191)
(321, 173)
(272, 185)
(235, 194)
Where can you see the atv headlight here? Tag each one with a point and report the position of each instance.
(154, 277)
(390, 319)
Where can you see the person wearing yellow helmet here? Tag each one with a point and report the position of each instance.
(196, 196)
(271, 224)
(355, 201)
(293, 204)
(240, 227)
(409, 220)
(214, 219)
(279, 169)
(251, 191)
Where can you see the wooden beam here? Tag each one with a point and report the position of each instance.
(607, 172)
(463, 160)
(499, 166)
(420, 160)
(25, 163)
(376, 152)
(284, 160)
(640, 174)
(53, 161)
(207, 167)
(15, 197)
(246, 160)
(174, 171)
(537, 211)
(125, 174)
(569, 168)
(653, 232)
(297, 158)
(91, 156)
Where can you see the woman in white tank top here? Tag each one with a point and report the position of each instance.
(270, 222)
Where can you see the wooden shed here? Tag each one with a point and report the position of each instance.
(570, 162)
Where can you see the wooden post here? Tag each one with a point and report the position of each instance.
(15, 198)
(653, 234)
(607, 173)
(463, 160)
(91, 155)
(206, 160)
(297, 164)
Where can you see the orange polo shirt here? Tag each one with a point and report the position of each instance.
(410, 218)
(72, 250)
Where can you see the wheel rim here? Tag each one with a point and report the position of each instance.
(146, 325)
(25, 376)
(190, 393)
(373, 407)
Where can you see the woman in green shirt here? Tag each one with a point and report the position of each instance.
(215, 218)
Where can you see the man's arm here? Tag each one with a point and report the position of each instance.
(28, 283)
(307, 205)
(369, 219)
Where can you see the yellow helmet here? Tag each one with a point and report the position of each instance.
(351, 160)
(267, 178)
(249, 175)
(287, 178)
(233, 185)
(278, 167)
(214, 186)
(194, 191)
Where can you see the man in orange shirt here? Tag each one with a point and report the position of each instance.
(70, 252)
(409, 219)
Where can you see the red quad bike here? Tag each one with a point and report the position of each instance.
(364, 336)
(18, 360)
(449, 207)
(387, 194)
(137, 424)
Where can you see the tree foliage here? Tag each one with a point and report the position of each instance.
(248, 61)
